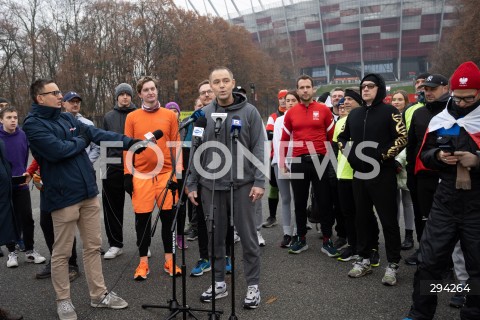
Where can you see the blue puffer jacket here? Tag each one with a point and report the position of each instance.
(67, 173)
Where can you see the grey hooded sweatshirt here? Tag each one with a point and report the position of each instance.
(213, 169)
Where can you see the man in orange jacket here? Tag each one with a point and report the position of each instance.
(147, 174)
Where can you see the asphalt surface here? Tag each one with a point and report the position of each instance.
(305, 286)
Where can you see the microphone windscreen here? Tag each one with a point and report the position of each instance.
(201, 122)
(158, 134)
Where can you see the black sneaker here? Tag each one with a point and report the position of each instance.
(407, 244)
(459, 299)
(298, 247)
(287, 239)
(348, 254)
(270, 222)
(329, 249)
(193, 235)
(340, 243)
(412, 260)
(45, 272)
(374, 258)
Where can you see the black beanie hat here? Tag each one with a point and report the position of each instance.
(354, 95)
(372, 78)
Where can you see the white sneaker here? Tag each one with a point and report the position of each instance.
(66, 310)
(34, 256)
(112, 253)
(261, 241)
(220, 292)
(149, 254)
(252, 300)
(12, 260)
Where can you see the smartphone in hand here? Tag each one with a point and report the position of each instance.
(16, 180)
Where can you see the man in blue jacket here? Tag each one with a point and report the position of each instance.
(58, 141)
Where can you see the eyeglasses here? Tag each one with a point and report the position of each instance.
(468, 99)
(209, 92)
(370, 86)
(74, 102)
(55, 93)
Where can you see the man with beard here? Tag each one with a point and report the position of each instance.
(310, 126)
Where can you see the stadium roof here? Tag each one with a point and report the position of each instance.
(226, 8)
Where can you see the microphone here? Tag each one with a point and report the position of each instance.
(194, 117)
(141, 145)
(236, 127)
(198, 130)
(218, 117)
(152, 137)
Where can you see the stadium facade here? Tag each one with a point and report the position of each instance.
(338, 41)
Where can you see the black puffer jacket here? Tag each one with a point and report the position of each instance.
(460, 142)
(418, 126)
(379, 123)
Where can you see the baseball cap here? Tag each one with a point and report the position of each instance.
(434, 80)
(70, 95)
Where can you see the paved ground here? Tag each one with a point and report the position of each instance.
(305, 286)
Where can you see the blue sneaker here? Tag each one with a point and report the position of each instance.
(329, 249)
(203, 265)
(228, 265)
(298, 246)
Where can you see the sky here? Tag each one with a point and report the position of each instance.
(224, 6)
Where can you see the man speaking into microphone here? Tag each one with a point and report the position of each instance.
(147, 174)
(247, 190)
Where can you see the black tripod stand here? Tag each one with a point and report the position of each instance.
(214, 314)
(173, 304)
(231, 225)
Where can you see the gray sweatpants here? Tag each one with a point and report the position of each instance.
(245, 223)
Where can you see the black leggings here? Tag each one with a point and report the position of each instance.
(143, 227)
(22, 208)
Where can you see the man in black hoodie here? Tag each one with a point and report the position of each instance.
(113, 195)
(436, 97)
(377, 134)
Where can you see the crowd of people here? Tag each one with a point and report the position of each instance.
(347, 157)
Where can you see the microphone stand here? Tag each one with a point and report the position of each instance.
(213, 315)
(231, 225)
(173, 304)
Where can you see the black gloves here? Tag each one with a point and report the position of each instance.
(139, 148)
(128, 183)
